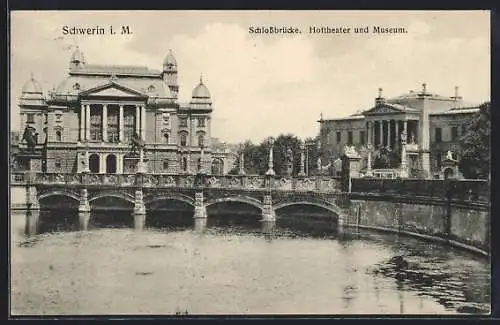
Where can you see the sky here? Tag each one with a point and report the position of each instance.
(265, 85)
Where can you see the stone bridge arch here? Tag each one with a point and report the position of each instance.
(59, 192)
(115, 194)
(151, 199)
(236, 198)
(332, 207)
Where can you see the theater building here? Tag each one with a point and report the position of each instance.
(433, 125)
(90, 118)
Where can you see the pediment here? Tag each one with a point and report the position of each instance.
(382, 109)
(112, 90)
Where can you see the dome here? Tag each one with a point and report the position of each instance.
(170, 59)
(32, 86)
(201, 91)
(77, 56)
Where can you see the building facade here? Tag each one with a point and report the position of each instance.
(430, 124)
(89, 120)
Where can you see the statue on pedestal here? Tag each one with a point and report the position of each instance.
(137, 144)
(31, 137)
(288, 162)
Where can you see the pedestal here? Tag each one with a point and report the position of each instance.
(139, 221)
(84, 205)
(32, 199)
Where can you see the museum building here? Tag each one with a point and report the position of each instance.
(89, 120)
(431, 125)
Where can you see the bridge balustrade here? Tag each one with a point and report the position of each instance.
(468, 190)
(252, 182)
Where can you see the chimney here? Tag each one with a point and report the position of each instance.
(424, 88)
(379, 99)
(456, 97)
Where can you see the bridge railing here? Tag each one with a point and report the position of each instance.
(257, 182)
(475, 190)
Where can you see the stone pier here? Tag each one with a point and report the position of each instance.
(84, 210)
(267, 209)
(139, 210)
(32, 222)
(199, 206)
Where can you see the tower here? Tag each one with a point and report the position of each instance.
(77, 60)
(170, 73)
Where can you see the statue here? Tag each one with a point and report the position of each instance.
(31, 137)
(412, 138)
(137, 143)
(289, 156)
(319, 163)
(449, 155)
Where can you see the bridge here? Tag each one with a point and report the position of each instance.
(143, 192)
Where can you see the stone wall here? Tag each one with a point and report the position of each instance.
(465, 225)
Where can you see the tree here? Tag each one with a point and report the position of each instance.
(475, 145)
(386, 158)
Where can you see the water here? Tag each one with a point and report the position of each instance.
(302, 267)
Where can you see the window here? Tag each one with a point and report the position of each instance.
(438, 160)
(201, 122)
(454, 133)
(339, 138)
(58, 136)
(201, 141)
(128, 125)
(438, 135)
(151, 88)
(30, 118)
(95, 126)
(362, 136)
(464, 128)
(183, 122)
(76, 86)
(199, 164)
(166, 118)
(113, 126)
(165, 164)
(183, 140)
(57, 163)
(165, 138)
(349, 137)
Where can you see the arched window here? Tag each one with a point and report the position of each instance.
(165, 164)
(165, 138)
(57, 163)
(201, 141)
(183, 140)
(58, 136)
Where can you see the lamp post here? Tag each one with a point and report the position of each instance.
(242, 160)
(270, 170)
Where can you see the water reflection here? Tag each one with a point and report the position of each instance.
(236, 264)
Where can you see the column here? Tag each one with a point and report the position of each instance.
(369, 147)
(143, 123)
(389, 142)
(87, 123)
(381, 133)
(302, 160)
(120, 124)
(242, 163)
(199, 206)
(404, 169)
(396, 143)
(270, 170)
(82, 122)
(102, 164)
(137, 119)
(104, 123)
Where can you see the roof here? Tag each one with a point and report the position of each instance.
(32, 86)
(76, 84)
(453, 111)
(170, 59)
(118, 70)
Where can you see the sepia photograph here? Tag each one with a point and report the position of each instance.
(260, 162)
